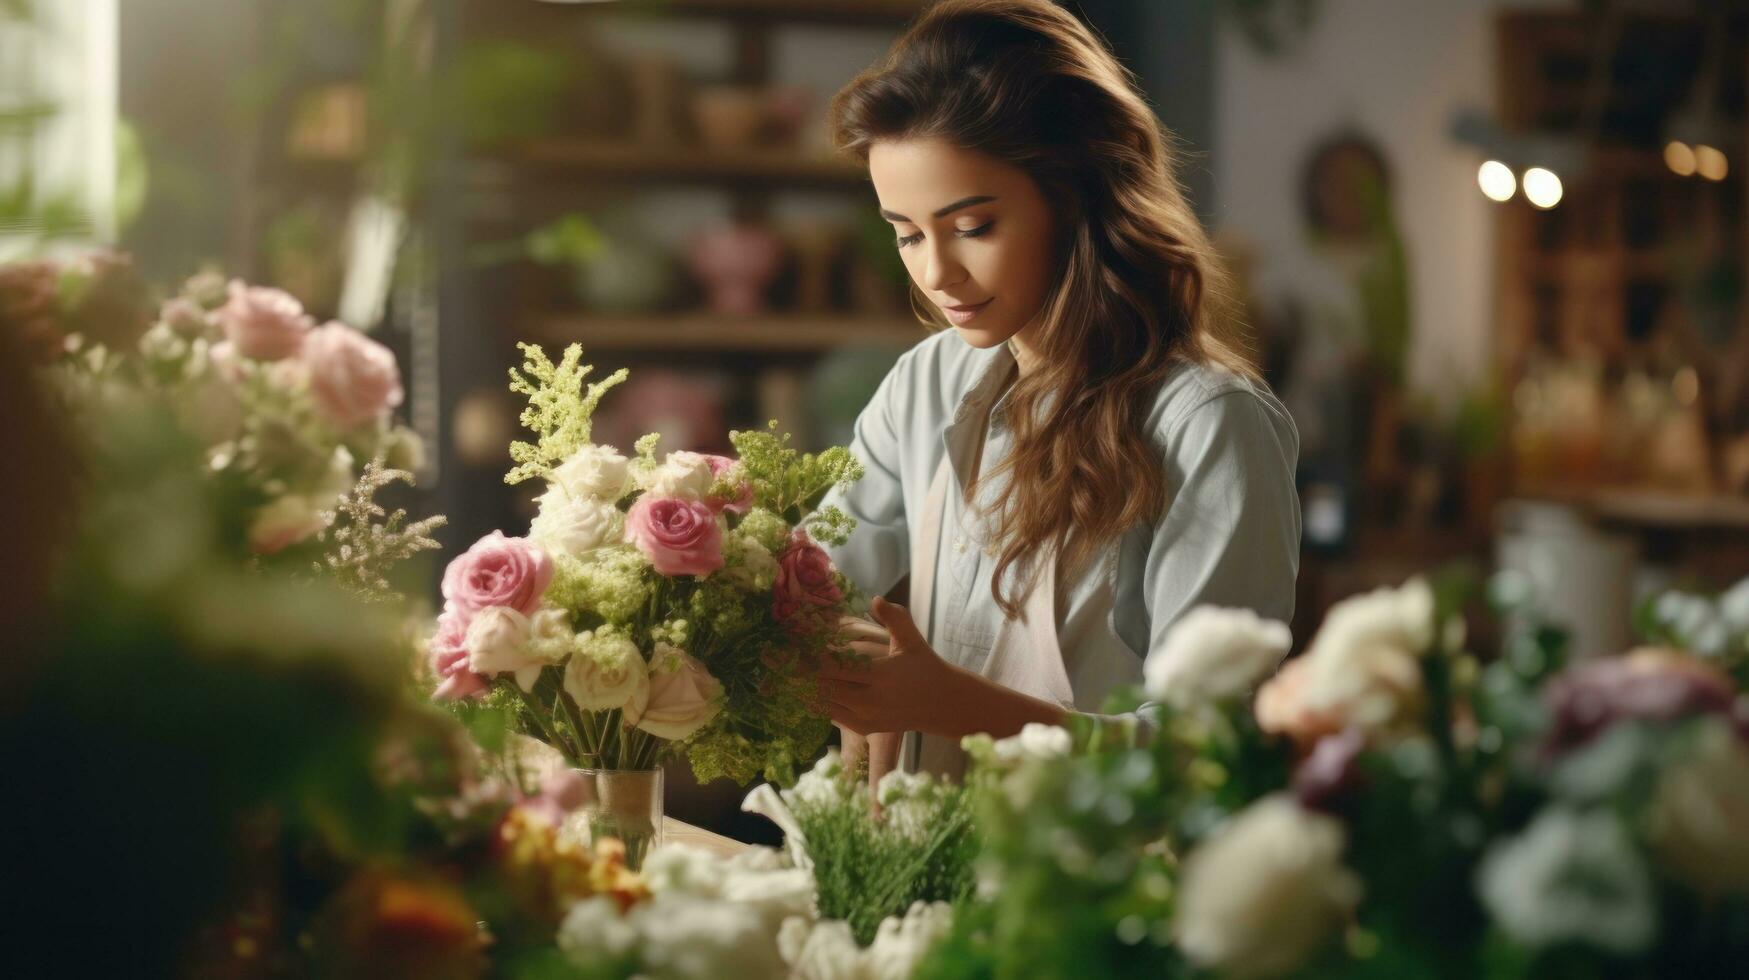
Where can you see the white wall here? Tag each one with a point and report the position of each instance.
(1395, 70)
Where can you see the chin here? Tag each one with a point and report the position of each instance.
(981, 337)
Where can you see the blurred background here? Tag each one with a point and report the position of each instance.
(1492, 253)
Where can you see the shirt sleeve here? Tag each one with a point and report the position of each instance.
(878, 551)
(1231, 535)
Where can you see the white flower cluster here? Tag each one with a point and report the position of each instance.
(1362, 670)
(828, 951)
(1265, 890)
(1214, 654)
(751, 915)
(1710, 627)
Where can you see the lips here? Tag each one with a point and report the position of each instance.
(959, 316)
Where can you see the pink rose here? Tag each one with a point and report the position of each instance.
(264, 324)
(743, 501)
(449, 658)
(353, 378)
(680, 537)
(497, 571)
(804, 582)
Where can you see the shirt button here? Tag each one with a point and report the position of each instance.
(959, 545)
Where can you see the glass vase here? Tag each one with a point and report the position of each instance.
(625, 804)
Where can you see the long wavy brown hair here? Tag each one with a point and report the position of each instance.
(1025, 82)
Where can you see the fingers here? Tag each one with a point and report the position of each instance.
(856, 628)
(853, 747)
(883, 755)
(897, 620)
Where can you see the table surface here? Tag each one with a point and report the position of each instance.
(678, 832)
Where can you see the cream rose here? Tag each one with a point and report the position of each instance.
(498, 643)
(1214, 654)
(285, 522)
(593, 472)
(683, 695)
(1264, 891)
(576, 526)
(607, 672)
(682, 474)
(1363, 668)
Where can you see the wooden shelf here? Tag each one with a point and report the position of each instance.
(681, 163)
(882, 12)
(705, 332)
(1651, 508)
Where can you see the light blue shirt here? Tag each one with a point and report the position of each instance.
(1230, 536)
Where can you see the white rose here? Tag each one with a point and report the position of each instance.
(683, 695)
(775, 894)
(1734, 608)
(901, 942)
(822, 785)
(1570, 877)
(576, 526)
(1214, 654)
(821, 950)
(607, 671)
(498, 643)
(683, 868)
(688, 938)
(594, 931)
(1363, 667)
(1265, 890)
(1696, 821)
(683, 474)
(593, 472)
(285, 522)
(550, 637)
(1035, 741)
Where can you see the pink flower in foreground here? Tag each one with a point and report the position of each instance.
(449, 659)
(264, 324)
(805, 581)
(743, 499)
(352, 377)
(680, 537)
(497, 571)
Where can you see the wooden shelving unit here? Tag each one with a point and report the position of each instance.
(770, 334)
(629, 161)
(1608, 277)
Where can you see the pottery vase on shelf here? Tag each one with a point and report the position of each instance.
(729, 117)
(736, 264)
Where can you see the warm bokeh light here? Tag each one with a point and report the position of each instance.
(1679, 158)
(1542, 188)
(1497, 181)
(1710, 163)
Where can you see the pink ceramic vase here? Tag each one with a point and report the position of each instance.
(736, 264)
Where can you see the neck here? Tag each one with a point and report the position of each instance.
(1025, 356)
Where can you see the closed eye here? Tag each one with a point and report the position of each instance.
(905, 240)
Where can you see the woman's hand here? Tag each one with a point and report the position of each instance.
(881, 749)
(908, 687)
(904, 687)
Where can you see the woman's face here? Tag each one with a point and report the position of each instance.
(976, 234)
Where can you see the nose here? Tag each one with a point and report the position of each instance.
(940, 268)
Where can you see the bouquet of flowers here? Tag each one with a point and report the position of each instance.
(656, 604)
(1388, 804)
(289, 411)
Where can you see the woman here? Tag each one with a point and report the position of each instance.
(1077, 460)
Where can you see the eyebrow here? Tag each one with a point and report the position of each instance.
(944, 212)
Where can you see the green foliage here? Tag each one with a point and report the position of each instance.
(559, 410)
(791, 484)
